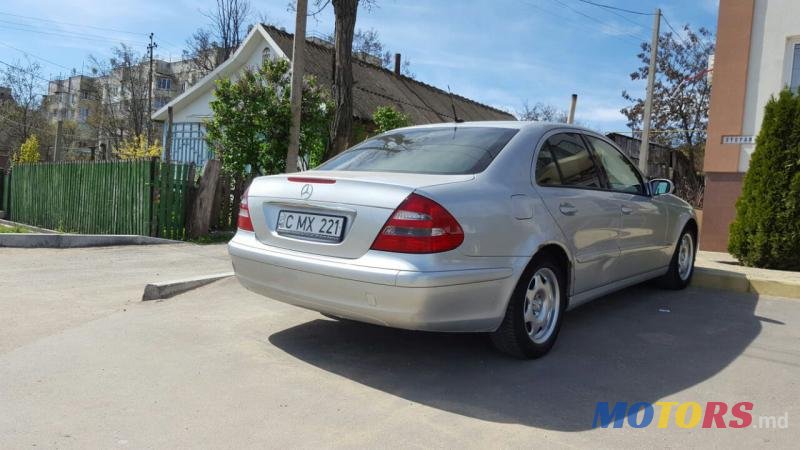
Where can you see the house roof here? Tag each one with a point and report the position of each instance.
(373, 85)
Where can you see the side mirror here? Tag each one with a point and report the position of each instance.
(661, 186)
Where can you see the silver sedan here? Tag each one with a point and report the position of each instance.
(496, 227)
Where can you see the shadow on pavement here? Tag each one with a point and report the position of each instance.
(618, 348)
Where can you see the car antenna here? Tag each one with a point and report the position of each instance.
(453, 105)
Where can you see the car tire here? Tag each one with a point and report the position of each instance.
(681, 267)
(528, 330)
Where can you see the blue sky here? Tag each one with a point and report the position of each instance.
(499, 52)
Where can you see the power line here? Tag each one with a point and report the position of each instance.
(569, 20)
(628, 35)
(688, 44)
(37, 57)
(705, 43)
(41, 19)
(65, 33)
(629, 11)
(614, 10)
(34, 28)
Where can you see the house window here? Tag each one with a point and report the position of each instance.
(795, 77)
(159, 102)
(266, 54)
(84, 114)
(163, 83)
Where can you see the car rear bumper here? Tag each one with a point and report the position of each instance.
(469, 300)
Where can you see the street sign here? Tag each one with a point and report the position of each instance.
(738, 139)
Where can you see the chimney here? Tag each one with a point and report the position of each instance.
(397, 64)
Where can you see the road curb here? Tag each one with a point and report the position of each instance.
(167, 289)
(41, 240)
(738, 282)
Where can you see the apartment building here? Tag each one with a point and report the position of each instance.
(77, 98)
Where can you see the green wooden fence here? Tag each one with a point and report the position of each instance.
(144, 197)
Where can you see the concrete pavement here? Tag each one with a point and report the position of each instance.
(44, 291)
(92, 366)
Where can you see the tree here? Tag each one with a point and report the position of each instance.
(211, 46)
(387, 118)
(136, 147)
(680, 94)
(345, 12)
(252, 117)
(766, 230)
(28, 151)
(122, 112)
(541, 112)
(24, 114)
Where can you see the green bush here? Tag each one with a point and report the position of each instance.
(252, 118)
(387, 118)
(766, 231)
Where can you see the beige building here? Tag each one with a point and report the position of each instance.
(757, 55)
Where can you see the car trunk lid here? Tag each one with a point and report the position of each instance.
(357, 203)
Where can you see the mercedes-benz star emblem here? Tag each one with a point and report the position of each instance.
(306, 191)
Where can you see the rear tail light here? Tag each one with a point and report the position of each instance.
(244, 223)
(419, 225)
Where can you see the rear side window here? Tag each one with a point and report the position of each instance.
(564, 161)
(440, 150)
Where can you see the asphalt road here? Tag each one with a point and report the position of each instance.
(85, 364)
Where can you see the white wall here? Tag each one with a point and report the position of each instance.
(776, 27)
(197, 109)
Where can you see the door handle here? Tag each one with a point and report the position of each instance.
(567, 209)
(626, 210)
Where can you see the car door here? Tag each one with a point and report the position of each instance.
(644, 220)
(569, 183)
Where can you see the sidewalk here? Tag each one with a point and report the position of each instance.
(716, 270)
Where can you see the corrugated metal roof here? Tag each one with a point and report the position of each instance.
(375, 86)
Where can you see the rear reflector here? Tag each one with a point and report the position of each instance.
(419, 225)
(244, 223)
(311, 180)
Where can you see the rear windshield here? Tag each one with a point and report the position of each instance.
(445, 150)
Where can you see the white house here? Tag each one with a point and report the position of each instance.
(373, 86)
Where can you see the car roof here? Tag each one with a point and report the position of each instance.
(513, 124)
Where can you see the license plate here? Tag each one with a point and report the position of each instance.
(313, 226)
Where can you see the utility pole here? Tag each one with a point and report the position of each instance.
(150, 47)
(644, 149)
(298, 62)
(60, 124)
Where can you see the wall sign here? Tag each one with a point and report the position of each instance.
(738, 139)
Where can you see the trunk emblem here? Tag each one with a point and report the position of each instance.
(306, 191)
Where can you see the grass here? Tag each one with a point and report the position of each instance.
(12, 229)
